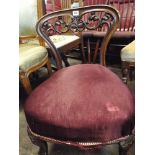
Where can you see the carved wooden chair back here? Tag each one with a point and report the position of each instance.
(90, 19)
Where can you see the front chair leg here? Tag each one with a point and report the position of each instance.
(43, 148)
(64, 58)
(125, 72)
(122, 151)
(26, 83)
(125, 145)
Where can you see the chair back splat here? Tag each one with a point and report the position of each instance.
(86, 22)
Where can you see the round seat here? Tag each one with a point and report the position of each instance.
(31, 55)
(85, 102)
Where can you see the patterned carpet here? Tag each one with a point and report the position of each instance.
(27, 148)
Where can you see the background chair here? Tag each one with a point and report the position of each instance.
(32, 56)
(128, 61)
(126, 30)
(84, 105)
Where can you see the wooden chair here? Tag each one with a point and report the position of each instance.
(84, 105)
(32, 53)
(128, 61)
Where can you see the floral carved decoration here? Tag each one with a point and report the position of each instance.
(86, 21)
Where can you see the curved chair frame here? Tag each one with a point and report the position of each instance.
(43, 27)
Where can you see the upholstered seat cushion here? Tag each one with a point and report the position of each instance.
(128, 52)
(85, 102)
(31, 55)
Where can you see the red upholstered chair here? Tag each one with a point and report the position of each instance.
(83, 105)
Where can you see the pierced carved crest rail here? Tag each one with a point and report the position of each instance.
(101, 18)
(95, 20)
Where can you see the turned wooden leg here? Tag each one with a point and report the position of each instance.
(131, 71)
(125, 145)
(26, 83)
(122, 151)
(49, 67)
(43, 148)
(125, 72)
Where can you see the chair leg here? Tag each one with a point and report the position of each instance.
(122, 151)
(125, 145)
(64, 58)
(26, 84)
(131, 73)
(125, 72)
(43, 147)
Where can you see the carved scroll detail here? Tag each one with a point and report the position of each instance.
(86, 21)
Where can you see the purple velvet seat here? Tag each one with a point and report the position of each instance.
(85, 102)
